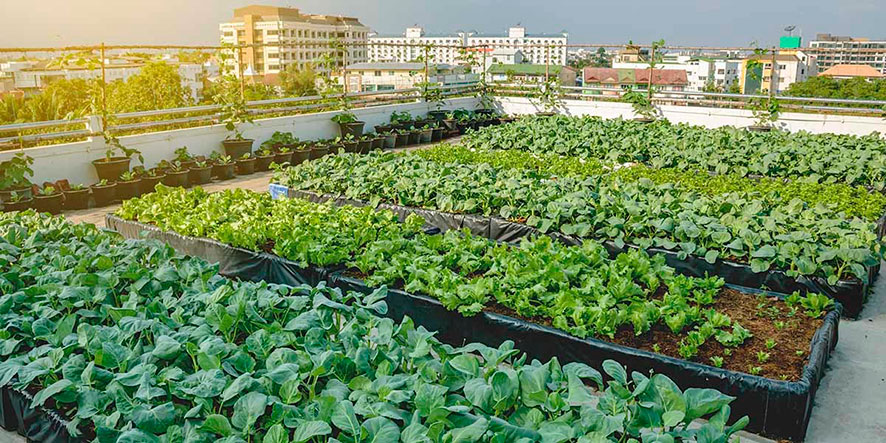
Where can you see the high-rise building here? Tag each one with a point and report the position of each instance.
(450, 48)
(303, 40)
(832, 50)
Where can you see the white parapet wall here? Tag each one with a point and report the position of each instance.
(708, 117)
(73, 161)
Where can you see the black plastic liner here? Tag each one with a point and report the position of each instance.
(233, 262)
(35, 424)
(850, 293)
(777, 409)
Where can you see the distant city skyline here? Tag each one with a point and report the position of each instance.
(680, 22)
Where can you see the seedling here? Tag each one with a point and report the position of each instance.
(755, 370)
(762, 356)
(717, 361)
(770, 343)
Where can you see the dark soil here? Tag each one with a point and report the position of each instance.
(757, 314)
(268, 245)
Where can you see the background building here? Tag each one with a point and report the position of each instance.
(701, 72)
(531, 46)
(525, 73)
(363, 77)
(790, 66)
(832, 50)
(629, 78)
(305, 39)
(843, 72)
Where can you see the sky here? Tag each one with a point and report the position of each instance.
(679, 22)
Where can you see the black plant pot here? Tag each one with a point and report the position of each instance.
(104, 195)
(350, 147)
(236, 148)
(377, 143)
(200, 176)
(176, 178)
(49, 203)
(437, 115)
(318, 152)
(414, 138)
(77, 199)
(283, 157)
(23, 192)
(451, 124)
(223, 172)
(263, 163)
(21, 205)
(402, 140)
(245, 166)
(110, 169)
(425, 135)
(390, 141)
(149, 184)
(128, 189)
(364, 146)
(353, 128)
(758, 128)
(300, 156)
(437, 134)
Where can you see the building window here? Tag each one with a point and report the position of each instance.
(378, 73)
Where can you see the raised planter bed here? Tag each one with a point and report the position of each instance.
(778, 409)
(849, 293)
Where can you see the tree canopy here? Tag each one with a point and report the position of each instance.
(829, 87)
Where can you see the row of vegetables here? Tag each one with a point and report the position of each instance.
(769, 226)
(824, 158)
(130, 342)
(578, 289)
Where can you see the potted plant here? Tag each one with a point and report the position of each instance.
(104, 192)
(284, 155)
(438, 133)
(76, 197)
(176, 176)
(17, 202)
(184, 157)
(390, 138)
(766, 111)
(451, 121)
(263, 159)
(644, 110)
(377, 142)
(364, 145)
(301, 154)
(49, 199)
(223, 169)
(401, 120)
(348, 124)
(234, 114)
(547, 98)
(150, 179)
(414, 136)
(14, 175)
(402, 137)
(383, 129)
(110, 167)
(318, 151)
(245, 165)
(426, 134)
(200, 173)
(350, 143)
(128, 186)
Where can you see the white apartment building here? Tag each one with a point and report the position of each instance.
(832, 50)
(700, 71)
(363, 77)
(303, 40)
(450, 48)
(790, 66)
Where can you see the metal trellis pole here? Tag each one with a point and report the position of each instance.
(104, 88)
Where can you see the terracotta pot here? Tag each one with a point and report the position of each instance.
(263, 163)
(104, 195)
(149, 184)
(76, 199)
(223, 172)
(111, 169)
(200, 176)
(128, 189)
(49, 203)
(176, 178)
(236, 148)
(245, 166)
(21, 205)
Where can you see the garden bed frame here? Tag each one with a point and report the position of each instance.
(779, 409)
(852, 294)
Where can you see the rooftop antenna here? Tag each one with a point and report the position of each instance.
(790, 30)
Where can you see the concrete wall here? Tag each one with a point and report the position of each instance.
(710, 117)
(72, 161)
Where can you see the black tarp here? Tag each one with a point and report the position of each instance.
(778, 409)
(35, 424)
(850, 293)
